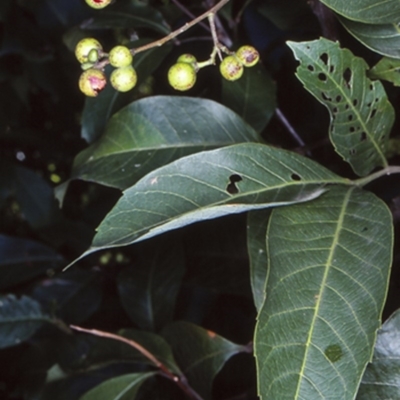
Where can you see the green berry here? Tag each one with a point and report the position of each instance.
(92, 82)
(182, 76)
(231, 68)
(248, 56)
(84, 47)
(120, 56)
(187, 58)
(98, 3)
(124, 79)
(93, 56)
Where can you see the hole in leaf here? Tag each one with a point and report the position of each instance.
(335, 110)
(346, 106)
(373, 113)
(310, 68)
(324, 58)
(295, 177)
(347, 76)
(352, 129)
(376, 100)
(355, 102)
(352, 152)
(350, 117)
(364, 229)
(325, 97)
(363, 136)
(371, 86)
(331, 68)
(232, 188)
(322, 77)
(369, 104)
(338, 98)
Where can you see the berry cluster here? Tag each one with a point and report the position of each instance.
(182, 75)
(92, 81)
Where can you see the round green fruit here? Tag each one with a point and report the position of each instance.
(98, 3)
(182, 76)
(85, 47)
(123, 79)
(92, 82)
(248, 56)
(187, 58)
(231, 68)
(120, 56)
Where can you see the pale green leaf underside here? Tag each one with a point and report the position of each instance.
(154, 131)
(208, 185)
(257, 223)
(367, 11)
(329, 263)
(124, 387)
(361, 115)
(383, 39)
(387, 69)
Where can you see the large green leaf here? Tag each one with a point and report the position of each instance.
(124, 387)
(208, 185)
(253, 96)
(383, 38)
(257, 223)
(329, 263)
(361, 115)
(381, 379)
(367, 11)
(19, 319)
(154, 131)
(148, 289)
(97, 111)
(387, 69)
(200, 353)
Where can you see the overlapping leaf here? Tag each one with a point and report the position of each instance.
(361, 115)
(253, 96)
(154, 131)
(366, 11)
(200, 353)
(387, 69)
(208, 185)
(381, 379)
(329, 263)
(383, 39)
(124, 387)
(19, 319)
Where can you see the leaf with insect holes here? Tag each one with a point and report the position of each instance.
(361, 115)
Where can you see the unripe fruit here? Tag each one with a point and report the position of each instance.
(84, 47)
(93, 56)
(248, 56)
(92, 82)
(182, 76)
(120, 56)
(98, 3)
(231, 68)
(187, 58)
(124, 79)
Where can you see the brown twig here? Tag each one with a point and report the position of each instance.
(179, 380)
(190, 14)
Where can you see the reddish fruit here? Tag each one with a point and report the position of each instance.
(248, 56)
(92, 82)
(98, 3)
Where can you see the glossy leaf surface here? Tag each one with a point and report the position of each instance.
(208, 185)
(361, 115)
(329, 263)
(381, 379)
(200, 353)
(154, 131)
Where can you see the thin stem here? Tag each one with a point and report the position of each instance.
(189, 14)
(214, 35)
(289, 127)
(370, 178)
(179, 380)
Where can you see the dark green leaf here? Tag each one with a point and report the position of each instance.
(124, 387)
(253, 96)
(381, 379)
(384, 38)
(148, 289)
(156, 130)
(367, 11)
(19, 319)
(329, 263)
(361, 115)
(22, 260)
(387, 69)
(98, 111)
(257, 224)
(208, 185)
(200, 353)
